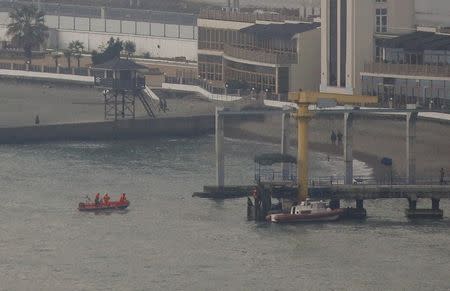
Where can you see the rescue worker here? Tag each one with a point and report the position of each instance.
(106, 199)
(123, 197)
(97, 199)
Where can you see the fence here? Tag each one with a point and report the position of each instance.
(408, 69)
(46, 69)
(260, 56)
(113, 20)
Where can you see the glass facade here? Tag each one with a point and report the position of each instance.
(401, 91)
(210, 67)
(258, 77)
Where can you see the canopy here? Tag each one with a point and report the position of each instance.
(274, 158)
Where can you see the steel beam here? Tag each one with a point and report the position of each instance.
(220, 159)
(411, 120)
(348, 148)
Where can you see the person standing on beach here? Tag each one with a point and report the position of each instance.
(442, 174)
(339, 137)
(333, 137)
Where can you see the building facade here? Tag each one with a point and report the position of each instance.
(413, 68)
(260, 53)
(350, 29)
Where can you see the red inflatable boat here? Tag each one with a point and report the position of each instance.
(111, 205)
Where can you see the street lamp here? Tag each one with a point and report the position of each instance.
(226, 89)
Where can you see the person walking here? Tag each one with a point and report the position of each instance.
(339, 137)
(333, 137)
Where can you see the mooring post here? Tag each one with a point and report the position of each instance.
(435, 203)
(411, 120)
(359, 204)
(220, 166)
(412, 203)
(348, 148)
(285, 142)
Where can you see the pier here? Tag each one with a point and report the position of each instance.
(410, 187)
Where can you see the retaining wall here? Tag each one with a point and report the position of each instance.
(121, 129)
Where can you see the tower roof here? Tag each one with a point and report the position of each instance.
(118, 64)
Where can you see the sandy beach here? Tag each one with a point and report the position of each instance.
(55, 103)
(374, 138)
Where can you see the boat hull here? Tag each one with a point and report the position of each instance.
(113, 205)
(331, 215)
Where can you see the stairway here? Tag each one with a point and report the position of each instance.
(147, 102)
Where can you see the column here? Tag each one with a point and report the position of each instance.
(411, 120)
(220, 166)
(435, 203)
(285, 142)
(303, 117)
(348, 148)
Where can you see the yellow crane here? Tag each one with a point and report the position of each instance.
(303, 115)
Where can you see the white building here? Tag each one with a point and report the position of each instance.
(350, 29)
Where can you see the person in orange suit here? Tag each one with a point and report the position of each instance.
(106, 199)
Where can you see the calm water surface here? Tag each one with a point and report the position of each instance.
(168, 240)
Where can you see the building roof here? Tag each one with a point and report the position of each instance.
(279, 31)
(118, 64)
(418, 41)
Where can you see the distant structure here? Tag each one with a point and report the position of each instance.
(262, 52)
(233, 5)
(123, 82)
(402, 56)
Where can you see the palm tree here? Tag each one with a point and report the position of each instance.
(27, 28)
(68, 54)
(56, 55)
(76, 47)
(129, 47)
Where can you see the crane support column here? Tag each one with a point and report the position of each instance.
(348, 148)
(303, 117)
(411, 120)
(220, 159)
(285, 142)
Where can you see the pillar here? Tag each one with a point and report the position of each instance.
(285, 142)
(435, 203)
(411, 120)
(303, 117)
(412, 204)
(348, 148)
(359, 204)
(220, 166)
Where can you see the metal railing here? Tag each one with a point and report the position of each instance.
(323, 181)
(131, 84)
(46, 69)
(260, 55)
(407, 69)
(216, 14)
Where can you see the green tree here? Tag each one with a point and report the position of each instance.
(76, 47)
(27, 28)
(112, 50)
(129, 47)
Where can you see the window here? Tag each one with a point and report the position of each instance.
(381, 20)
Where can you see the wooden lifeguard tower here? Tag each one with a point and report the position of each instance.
(122, 82)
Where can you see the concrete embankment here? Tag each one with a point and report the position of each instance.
(121, 129)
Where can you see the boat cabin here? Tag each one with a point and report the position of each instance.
(309, 207)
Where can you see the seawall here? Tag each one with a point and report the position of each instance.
(121, 129)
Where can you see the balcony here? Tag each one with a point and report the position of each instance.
(408, 70)
(117, 84)
(260, 56)
(246, 17)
